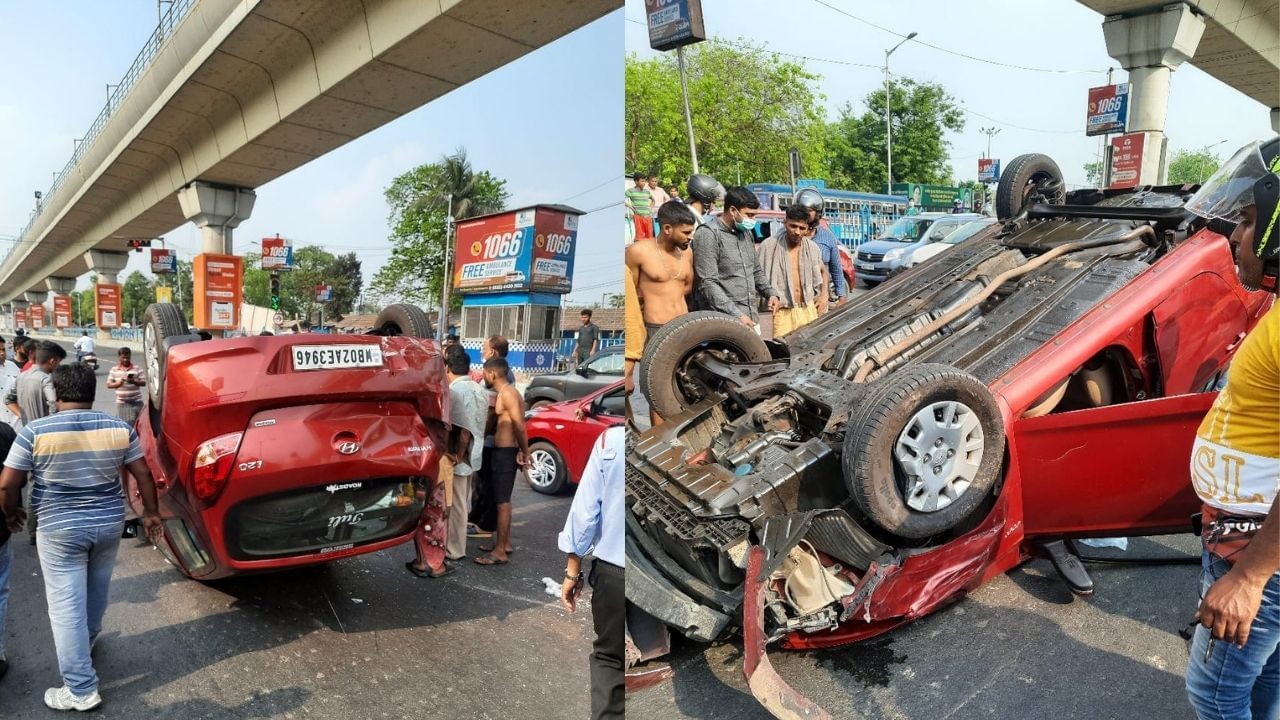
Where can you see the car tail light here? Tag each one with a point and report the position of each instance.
(214, 461)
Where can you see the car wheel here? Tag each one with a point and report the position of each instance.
(1029, 178)
(160, 322)
(924, 450)
(546, 472)
(669, 374)
(402, 319)
(543, 402)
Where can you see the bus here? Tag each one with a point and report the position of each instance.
(855, 217)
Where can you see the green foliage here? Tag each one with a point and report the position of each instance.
(749, 106)
(1093, 173)
(1192, 166)
(136, 293)
(182, 283)
(921, 114)
(419, 202)
(312, 266)
(616, 300)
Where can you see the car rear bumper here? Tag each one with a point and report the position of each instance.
(650, 588)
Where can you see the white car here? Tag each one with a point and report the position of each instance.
(947, 238)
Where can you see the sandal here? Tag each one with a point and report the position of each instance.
(429, 574)
(490, 559)
(489, 548)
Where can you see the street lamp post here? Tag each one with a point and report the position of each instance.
(888, 122)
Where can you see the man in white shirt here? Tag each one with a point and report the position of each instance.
(656, 192)
(9, 373)
(84, 346)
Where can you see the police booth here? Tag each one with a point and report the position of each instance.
(511, 269)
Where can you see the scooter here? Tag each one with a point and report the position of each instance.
(91, 360)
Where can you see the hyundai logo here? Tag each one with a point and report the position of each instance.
(349, 448)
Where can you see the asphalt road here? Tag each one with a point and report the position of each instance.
(1019, 647)
(358, 638)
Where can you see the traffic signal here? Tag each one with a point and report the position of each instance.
(137, 244)
(275, 292)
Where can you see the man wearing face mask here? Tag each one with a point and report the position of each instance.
(1234, 670)
(726, 274)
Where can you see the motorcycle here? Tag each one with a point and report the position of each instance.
(91, 360)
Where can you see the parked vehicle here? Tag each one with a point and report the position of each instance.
(273, 452)
(603, 368)
(887, 254)
(941, 240)
(561, 436)
(984, 408)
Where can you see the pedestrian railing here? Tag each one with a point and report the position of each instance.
(178, 10)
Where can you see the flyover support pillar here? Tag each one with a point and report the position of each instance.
(33, 298)
(1275, 119)
(59, 286)
(216, 210)
(1150, 47)
(107, 266)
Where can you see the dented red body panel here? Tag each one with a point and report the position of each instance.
(326, 463)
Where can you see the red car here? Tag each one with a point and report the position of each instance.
(1040, 382)
(278, 452)
(561, 436)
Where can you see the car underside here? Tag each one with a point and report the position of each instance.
(860, 462)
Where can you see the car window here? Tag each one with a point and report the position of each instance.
(610, 364)
(966, 231)
(614, 403)
(941, 229)
(907, 229)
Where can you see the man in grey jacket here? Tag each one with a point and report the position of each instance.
(727, 276)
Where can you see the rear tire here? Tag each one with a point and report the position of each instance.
(924, 450)
(1028, 176)
(402, 319)
(547, 472)
(160, 322)
(666, 376)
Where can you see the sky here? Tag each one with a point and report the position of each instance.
(1035, 111)
(549, 123)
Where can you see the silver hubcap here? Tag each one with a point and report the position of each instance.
(152, 357)
(542, 468)
(939, 451)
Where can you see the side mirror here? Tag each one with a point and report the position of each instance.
(585, 371)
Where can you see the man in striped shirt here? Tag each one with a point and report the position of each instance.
(127, 380)
(74, 457)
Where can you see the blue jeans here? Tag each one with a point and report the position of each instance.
(6, 561)
(77, 564)
(1237, 683)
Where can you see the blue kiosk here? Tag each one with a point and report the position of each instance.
(511, 269)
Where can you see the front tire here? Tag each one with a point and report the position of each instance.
(160, 322)
(924, 450)
(547, 472)
(402, 319)
(669, 377)
(1028, 178)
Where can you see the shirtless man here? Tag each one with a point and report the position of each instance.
(510, 451)
(663, 273)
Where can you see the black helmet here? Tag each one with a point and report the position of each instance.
(809, 199)
(1250, 177)
(704, 189)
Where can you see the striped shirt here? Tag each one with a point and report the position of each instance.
(641, 201)
(128, 392)
(74, 458)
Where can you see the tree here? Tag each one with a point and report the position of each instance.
(1192, 166)
(312, 266)
(749, 106)
(921, 114)
(182, 283)
(419, 202)
(135, 295)
(616, 300)
(1093, 173)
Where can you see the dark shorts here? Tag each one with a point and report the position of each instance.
(503, 473)
(649, 330)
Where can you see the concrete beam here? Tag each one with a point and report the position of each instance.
(36, 297)
(61, 285)
(106, 265)
(216, 211)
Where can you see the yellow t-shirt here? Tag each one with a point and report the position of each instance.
(1235, 462)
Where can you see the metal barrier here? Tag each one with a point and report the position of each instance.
(178, 10)
(565, 350)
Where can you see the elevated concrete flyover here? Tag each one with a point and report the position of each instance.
(239, 92)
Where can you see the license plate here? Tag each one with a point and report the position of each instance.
(332, 357)
(866, 266)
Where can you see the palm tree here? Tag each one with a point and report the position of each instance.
(456, 187)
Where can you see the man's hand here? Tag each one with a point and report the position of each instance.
(823, 304)
(1230, 606)
(154, 526)
(569, 593)
(522, 459)
(16, 520)
(746, 320)
(774, 303)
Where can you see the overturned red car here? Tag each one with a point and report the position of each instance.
(277, 452)
(980, 409)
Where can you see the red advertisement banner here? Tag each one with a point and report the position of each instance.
(108, 309)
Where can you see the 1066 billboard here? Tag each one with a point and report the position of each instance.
(527, 250)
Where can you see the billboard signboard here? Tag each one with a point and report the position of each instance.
(673, 23)
(219, 284)
(164, 294)
(107, 305)
(277, 253)
(62, 311)
(1126, 160)
(1108, 109)
(527, 250)
(163, 261)
(933, 197)
(988, 170)
(37, 317)
(20, 319)
(324, 293)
